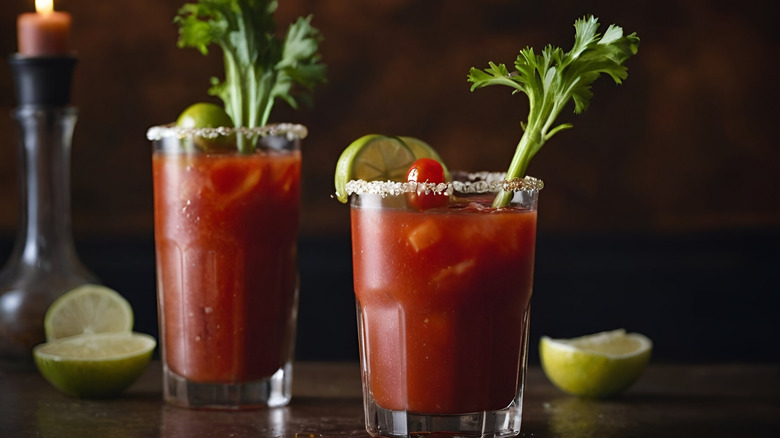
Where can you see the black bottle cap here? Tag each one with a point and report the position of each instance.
(42, 80)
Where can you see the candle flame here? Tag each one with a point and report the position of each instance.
(44, 6)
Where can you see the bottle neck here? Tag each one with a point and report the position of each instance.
(44, 235)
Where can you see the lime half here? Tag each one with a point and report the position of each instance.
(372, 158)
(599, 365)
(94, 366)
(88, 309)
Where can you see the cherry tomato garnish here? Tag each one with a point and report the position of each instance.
(426, 170)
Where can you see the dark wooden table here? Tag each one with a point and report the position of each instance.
(669, 401)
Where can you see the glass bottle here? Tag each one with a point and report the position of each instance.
(43, 263)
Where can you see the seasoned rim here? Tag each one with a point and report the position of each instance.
(467, 183)
(291, 130)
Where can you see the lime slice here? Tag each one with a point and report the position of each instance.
(208, 115)
(372, 158)
(87, 309)
(94, 366)
(599, 365)
(421, 149)
(204, 115)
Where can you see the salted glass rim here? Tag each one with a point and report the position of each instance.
(290, 130)
(466, 183)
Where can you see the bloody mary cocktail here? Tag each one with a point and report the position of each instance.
(443, 301)
(225, 233)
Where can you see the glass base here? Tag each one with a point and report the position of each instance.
(273, 391)
(498, 423)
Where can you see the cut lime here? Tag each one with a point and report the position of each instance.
(87, 309)
(421, 149)
(208, 115)
(203, 115)
(372, 158)
(599, 365)
(94, 366)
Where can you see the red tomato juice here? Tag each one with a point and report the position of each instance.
(442, 297)
(225, 233)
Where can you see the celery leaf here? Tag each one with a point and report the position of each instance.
(554, 77)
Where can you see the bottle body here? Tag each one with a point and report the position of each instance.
(43, 263)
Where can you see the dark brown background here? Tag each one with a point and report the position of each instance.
(661, 209)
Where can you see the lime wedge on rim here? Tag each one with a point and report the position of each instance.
(372, 157)
(87, 309)
(204, 115)
(208, 115)
(598, 365)
(95, 365)
(421, 149)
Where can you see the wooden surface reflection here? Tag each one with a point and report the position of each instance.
(669, 401)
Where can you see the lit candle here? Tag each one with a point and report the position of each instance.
(45, 32)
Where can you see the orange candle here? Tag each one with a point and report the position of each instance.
(45, 32)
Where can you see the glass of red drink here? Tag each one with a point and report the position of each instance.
(443, 297)
(226, 227)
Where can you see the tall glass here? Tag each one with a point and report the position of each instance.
(443, 298)
(226, 229)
